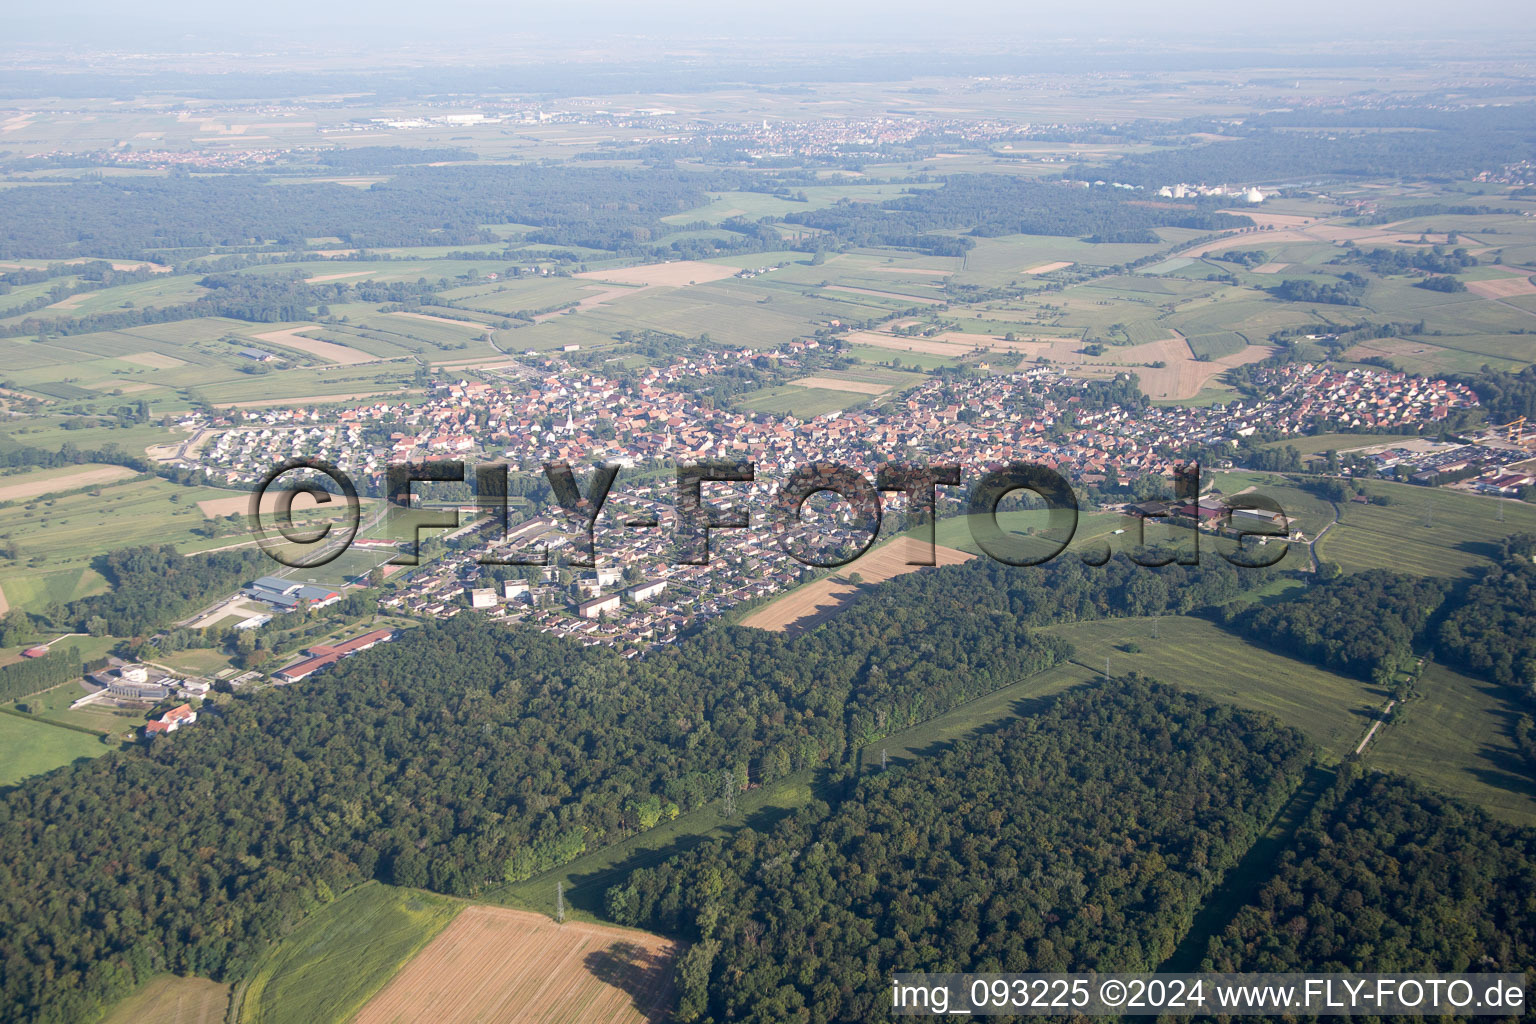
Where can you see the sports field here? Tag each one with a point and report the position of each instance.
(517, 967)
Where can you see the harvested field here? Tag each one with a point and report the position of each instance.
(599, 296)
(1046, 268)
(300, 400)
(1502, 287)
(912, 270)
(154, 360)
(927, 346)
(442, 320)
(855, 387)
(239, 504)
(71, 301)
(920, 299)
(318, 278)
(291, 338)
(1270, 268)
(1264, 238)
(674, 275)
(32, 484)
(1275, 220)
(812, 604)
(514, 967)
(172, 1000)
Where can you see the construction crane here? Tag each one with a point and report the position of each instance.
(1514, 432)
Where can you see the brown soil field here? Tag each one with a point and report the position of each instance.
(5, 605)
(855, 387)
(47, 485)
(70, 302)
(920, 299)
(926, 345)
(812, 604)
(154, 360)
(599, 296)
(1278, 220)
(239, 504)
(336, 277)
(324, 349)
(514, 967)
(172, 1000)
(1255, 238)
(1187, 377)
(442, 320)
(1046, 268)
(675, 275)
(1502, 287)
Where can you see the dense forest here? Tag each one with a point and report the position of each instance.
(603, 208)
(465, 754)
(1492, 630)
(1386, 876)
(993, 204)
(1364, 624)
(1083, 837)
(1273, 147)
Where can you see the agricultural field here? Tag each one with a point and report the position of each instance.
(59, 537)
(813, 603)
(1427, 531)
(540, 972)
(169, 999)
(117, 724)
(33, 747)
(1333, 710)
(1455, 736)
(342, 954)
(37, 482)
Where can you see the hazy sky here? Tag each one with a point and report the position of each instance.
(481, 25)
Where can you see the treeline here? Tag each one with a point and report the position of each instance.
(1364, 624)
(1082, 837)
(33, 674)
(154, 586)
(1384, 877)
(1403, 259)
(258, 298)
(1344, 292)
(376, 159)
(985, 205)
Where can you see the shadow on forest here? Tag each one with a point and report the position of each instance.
(644, 976)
